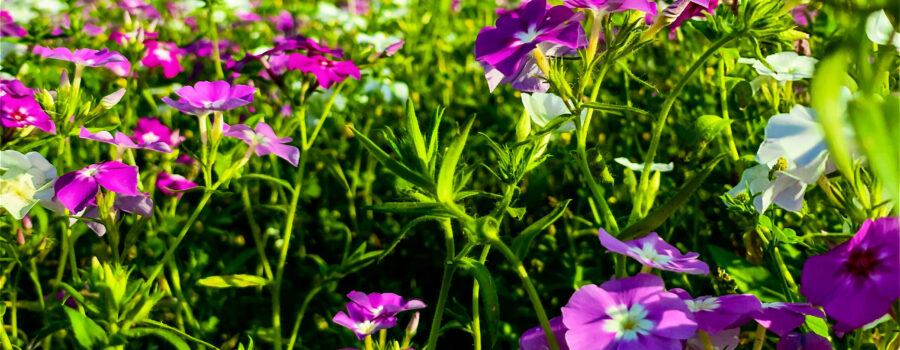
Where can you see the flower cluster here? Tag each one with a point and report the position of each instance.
(369, 313)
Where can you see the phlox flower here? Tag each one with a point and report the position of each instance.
(808, 341)
(264, 141)
(716, 314)
(19, 109)
(327, 71)
(283, 21)
(206, 97)
(27, 180)
(681, 10)
(123, 141)
(802, 15)
(857, 281)
(167, 183)
(309, 45)
(384, 304)
(608, 6)
(654, 252)
(880, 30)
(75, 190)
(728, 339)
(535, 339)
(505, 46)
(84, 57)
(788, 66)
(139, 204)
(630, 313)
(9, 28)
(782, 318)
(543, 108)
(150, 130)
(361, 321)
(165, 55)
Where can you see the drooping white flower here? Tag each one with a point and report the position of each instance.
(880, 30)
(28, 180)
(543, 107)
(788, 66)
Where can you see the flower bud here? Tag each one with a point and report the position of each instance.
(20, 237)
(523, 127)
(413, 325)
(488, 228)
(112, 99)
(64, 80)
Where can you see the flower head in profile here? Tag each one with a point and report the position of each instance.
(716, 314)
(535, 339)
(27, 180)
(788, 66)
(880, 30)
(543, 108)
(857, 281)
(19, 109)
(654, 252)
(264, 141)
(608, 6)
(507, 45)
(309, 45)
(681, 10)
(150, 130)
(384, 304)
(630, 313)
(206, 97)
(165, 55)
(361, 322)
(9, 28)
(123, 141)
(167, 183)
(327, 71)
(807, 341)
(77, 189)
(84, 57)
(782, 318)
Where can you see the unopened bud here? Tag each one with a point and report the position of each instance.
(792, 35)
(26, 222)
(20, 237)
(413, 325)
(523, 127)
(742, 198)
(64, 80)
(112, 99)
(630, 180)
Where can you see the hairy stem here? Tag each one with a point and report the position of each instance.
(446, 278)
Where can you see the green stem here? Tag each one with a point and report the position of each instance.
(707, 343)
(303, 306)
(760, 338)
(723, 96)
(637, 212)
(447, 276)
(63, 256)
(325, 112)
(257, 233)
(282, 256)
(184, 230)
(476, 321)
(214, 36)
(529, 288)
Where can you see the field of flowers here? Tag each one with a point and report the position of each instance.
(453, 174)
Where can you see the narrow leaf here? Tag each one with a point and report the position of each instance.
(233, 281)
(393, 165)
(488, 291)
(608, 107)
(166, 335)
(88, 334)
(522, 242)
(448, 166)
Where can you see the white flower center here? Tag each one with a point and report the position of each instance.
(256, 139)
(88, 172)
(703, 304)
(150, 137)
(365, 327)
(162, 54)
(528, 36)
(649, 254)
(627, 323)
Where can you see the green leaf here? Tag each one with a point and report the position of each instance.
(182, 334)
(233, 281)
(658, 216)
(709, 126)
(447, 172)
(168, 336)
(516, 213)
(412, 129)
(749, 278)
(393, 165)
(88, 334)
(817, 325)
(416, 208)
(825, 90)
(403, 233)
(522, 242)
(35, 144)
(272, 179)
(742, 94)
(488, 294)
(609, 107)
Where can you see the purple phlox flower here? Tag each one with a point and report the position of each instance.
(327, 72)
(9, 28)
(802, 15)
(122, 140)
(808, 341)
(381, 305)
(139, 8)
(167, 183)
(140, 204)
(283, 21)
(393, 48)
(857, 281)
(93, 30)
(203, 47)
(247, 17)
(361, 321)
(534, 339)
(505, 46)
(715, 314)
(121, 38)
(607, 6)
(682, 10)
(86, 57)
(455, 6)
(165, 55)
(728, 339)
(184, 159)
(265, 141)
(76, 189)
(630, 313)
(360, 7)
(69, 302)
(654, 252)
(311, 46)
(782, 318)
(205, 97)
(19, 109)
(152, 130)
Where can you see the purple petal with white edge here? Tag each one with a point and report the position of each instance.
(118, 177)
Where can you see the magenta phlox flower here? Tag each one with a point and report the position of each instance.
(85, 57)
(149, 130)
(629, 313)
(682, 10)
(782, 318)
(327, 72)
(165, 55)
(535, 339)
(9, 28)
(506, 45)
(654, 252)
(715, 314)
(124, 141)
(808, 341)
(264, 141)
(206, 97)
(19, 109)
(857, 281)
(168, 183)
(802, 15)
(309, 45)
(609, 6)
(75, 190)
(283, 21)
(139, 8)
(361, 322)
(728, 339)
(381, 305)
